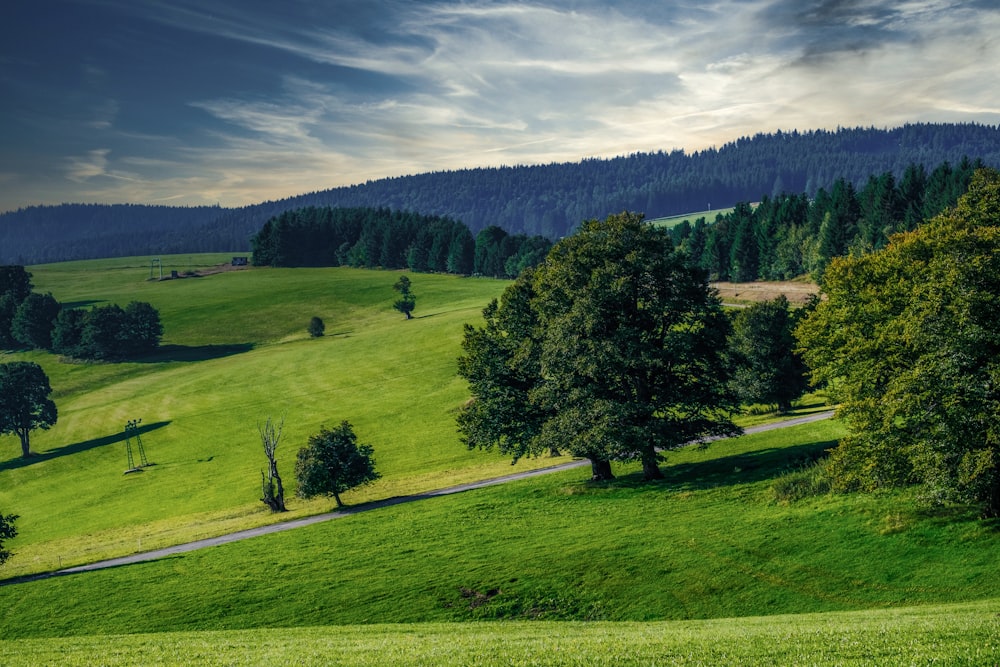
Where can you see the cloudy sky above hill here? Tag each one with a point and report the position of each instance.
(238, 101)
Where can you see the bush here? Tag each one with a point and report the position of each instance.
(316, 327)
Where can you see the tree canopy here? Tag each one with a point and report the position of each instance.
(612, 349)
(907, 342)
(24, 401)
(333, 462)
(767, 367)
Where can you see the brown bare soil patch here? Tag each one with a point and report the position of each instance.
(797, 292)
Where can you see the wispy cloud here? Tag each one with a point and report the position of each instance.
(256, 100)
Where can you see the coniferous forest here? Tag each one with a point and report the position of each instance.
(547, 200)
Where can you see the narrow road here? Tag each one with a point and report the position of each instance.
(348, 511)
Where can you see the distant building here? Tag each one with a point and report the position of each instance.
(240, 261)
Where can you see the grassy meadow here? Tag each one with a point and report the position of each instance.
(719, 563)
(236, 351)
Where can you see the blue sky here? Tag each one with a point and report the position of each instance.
(239, 101)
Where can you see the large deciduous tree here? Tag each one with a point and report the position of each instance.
(613, 349)
(907, 341)
(333, 462)
(24, 401)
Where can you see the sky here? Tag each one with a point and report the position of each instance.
(234, 102)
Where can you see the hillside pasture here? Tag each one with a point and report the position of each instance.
(236, 350)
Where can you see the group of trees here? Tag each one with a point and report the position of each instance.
(615, 349)
(502, 255)
(331, 463)
(907, 342)
(37, 321)
(364, 238)
(788, 235)
(379, 237)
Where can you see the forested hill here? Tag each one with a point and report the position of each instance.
(549, 200)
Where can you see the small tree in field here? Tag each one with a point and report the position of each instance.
(24, 401)
(7, 531)
(273, 492)
(316, 327)
(406, 301)
(334, 462)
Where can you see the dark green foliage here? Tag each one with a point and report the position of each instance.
(612, 349)
(316, 327)
(24, 401)
(364, 238)
(406, 301)
(34, 320)
(907, 342)
(768, 369)
(333, 462)
(786, 236)
(15, 286)
(16, 281)
(500, 255)
(108, 333)
(8, 531)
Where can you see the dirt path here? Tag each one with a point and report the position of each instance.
(348, 511)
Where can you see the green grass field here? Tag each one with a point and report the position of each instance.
(552, 570)
(236, 351)
(673, 220)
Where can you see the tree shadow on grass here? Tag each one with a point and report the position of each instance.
(167, 353)
(75, 448)
(743, 468)
(81, 304)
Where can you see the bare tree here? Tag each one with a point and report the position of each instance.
(271, 487)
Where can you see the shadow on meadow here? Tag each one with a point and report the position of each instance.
(81, 304)
(167, 353)
(742, 468)
(75, 448)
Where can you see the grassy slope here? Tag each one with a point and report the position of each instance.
(967, 634)
(710, 542)
(235, 352)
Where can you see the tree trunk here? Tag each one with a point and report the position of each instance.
(336, 496)
(650, 467)
(25, 446)
(600, 470)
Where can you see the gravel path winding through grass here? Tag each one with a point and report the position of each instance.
(366, 507)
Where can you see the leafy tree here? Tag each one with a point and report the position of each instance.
(34, 320)
(8, 531)
(768, 368)
(16, 281)
(24, 401)
(333, 462)
(68, 332)
(612, 349)
(101, 336)
(406, 301)
(8, 309)
(316, 327)
(907, 342)
(272, 490)
(141, 329)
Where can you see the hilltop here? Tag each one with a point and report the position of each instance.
(548, 200)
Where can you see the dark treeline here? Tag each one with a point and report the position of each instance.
(547, 200)
(789, 235)
(379, 237)
(40, 234)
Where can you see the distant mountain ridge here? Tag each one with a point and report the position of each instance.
(550, 200)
